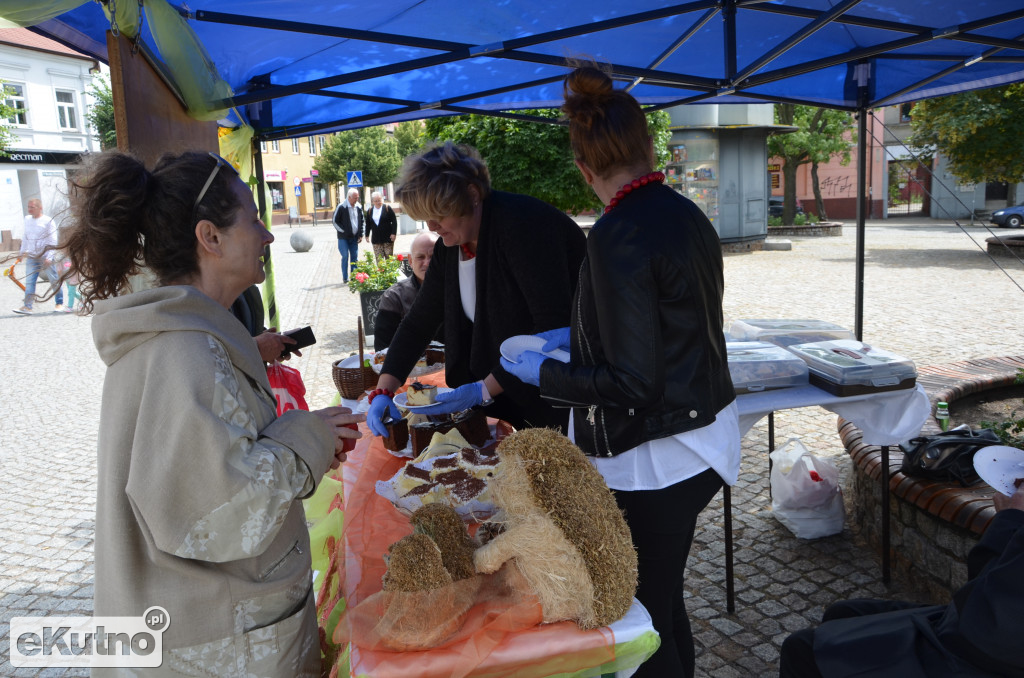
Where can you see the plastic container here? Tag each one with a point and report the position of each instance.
(848, 367)
(787, 332)
(757, 366)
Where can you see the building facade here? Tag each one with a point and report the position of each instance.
(47, 85)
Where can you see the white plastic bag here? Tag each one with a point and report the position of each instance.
(806, 496)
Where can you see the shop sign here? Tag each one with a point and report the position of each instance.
(275, 175)
(775, 180)
(774, 168)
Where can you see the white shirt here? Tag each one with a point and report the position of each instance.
(376, 214)
(353, 217)
(467, 286)
(39, 234)
(660, 463)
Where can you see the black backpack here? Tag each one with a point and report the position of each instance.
(946, 456)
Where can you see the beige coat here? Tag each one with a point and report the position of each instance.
(197, 507)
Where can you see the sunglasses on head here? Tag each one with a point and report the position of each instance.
(221, 162)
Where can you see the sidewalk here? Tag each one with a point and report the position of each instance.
(930, 294)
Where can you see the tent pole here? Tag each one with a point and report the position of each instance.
(269, 295)
(862, 159)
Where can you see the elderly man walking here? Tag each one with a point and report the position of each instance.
(40, 234)
(348, 222)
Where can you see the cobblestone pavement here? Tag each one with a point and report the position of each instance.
(930, 294)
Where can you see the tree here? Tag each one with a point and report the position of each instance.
(369, 150)
(409, 137)
(101, 114)
(533, 157)
(6, 129)
(820, 135)
(979, 132)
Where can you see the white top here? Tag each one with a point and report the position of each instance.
(467, 286)
(39, 234)
(376, 214)
(660, 463)
(353, 215)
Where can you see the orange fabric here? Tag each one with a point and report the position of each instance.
(500, 633)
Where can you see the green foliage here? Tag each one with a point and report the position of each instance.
(101, 114)
(774, 221)
(534, 158)
(819, 137)
(409, 137)
(371, 275)
(369, 150)
(800, 219)
(1010, 432)
(979, 132)
(812, 218)
(6, 129)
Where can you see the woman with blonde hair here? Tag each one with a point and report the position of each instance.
(199, 485)
(504, 265)
(653, 403)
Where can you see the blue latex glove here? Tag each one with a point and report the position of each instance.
(556, 338)
(380, 407)
(456, 400)
(527, 370)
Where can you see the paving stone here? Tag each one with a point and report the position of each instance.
(48, 555)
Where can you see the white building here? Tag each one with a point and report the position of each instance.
(46, 83)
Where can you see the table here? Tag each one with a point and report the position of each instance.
(349, 570)
(885, 418)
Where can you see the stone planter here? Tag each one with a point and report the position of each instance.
(369, 302)
(822, 228)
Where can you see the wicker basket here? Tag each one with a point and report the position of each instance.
(352, 382)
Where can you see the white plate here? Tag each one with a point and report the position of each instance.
(418, 371)
(353, 360)
(513, 347)
(999, 466)
(401, 399)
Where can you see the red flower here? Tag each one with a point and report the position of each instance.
(400, 257)
(815, 477)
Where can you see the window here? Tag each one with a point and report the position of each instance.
(14, 96)
(67, 113)
(275, 146)
(263, 147)
(295, 146)
(312, 145)
(323, 142)
(320, 197)
(905, 112)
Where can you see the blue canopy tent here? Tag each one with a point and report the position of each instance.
(293, 69)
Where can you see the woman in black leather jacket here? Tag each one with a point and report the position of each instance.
(648, 378)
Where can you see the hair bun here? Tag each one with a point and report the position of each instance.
(589, 81)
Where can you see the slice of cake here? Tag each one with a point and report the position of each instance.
(398, 435)
(419, 394)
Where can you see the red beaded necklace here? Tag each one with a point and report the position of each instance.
(653, 177)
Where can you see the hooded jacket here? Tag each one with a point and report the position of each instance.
(198, 482)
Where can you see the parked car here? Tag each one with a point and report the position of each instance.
(775, 206)
(1012, 217)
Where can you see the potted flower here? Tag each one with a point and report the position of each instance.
(370, 278)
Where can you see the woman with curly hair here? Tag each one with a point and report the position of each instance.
(199, 481)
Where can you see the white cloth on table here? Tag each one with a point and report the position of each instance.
(885, 418)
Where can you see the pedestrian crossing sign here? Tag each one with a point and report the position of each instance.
(354, 178)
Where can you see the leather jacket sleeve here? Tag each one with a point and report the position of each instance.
(631, 373)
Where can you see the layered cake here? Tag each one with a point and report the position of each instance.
(398, 435)
(449, 470)
(472, 424)
(419, 394)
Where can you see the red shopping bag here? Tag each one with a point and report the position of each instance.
(286, 383)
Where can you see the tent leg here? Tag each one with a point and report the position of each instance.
(862, 169)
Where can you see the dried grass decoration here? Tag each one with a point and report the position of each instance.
(563, 530)
(420, 607)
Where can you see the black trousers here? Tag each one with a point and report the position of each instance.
(796, 659)
(662, 522)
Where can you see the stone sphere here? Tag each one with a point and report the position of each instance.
(301, 241)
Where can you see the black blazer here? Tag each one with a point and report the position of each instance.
(388, 226)
(343, 225)
(528, 256)
(979, 633)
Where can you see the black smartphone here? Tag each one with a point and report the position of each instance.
(303, 338)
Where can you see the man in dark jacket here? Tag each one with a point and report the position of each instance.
(398, 298)
(381, 226)
(348, 222)
(978, 633)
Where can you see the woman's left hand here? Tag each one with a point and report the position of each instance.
(344, 425)
(527, 370)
